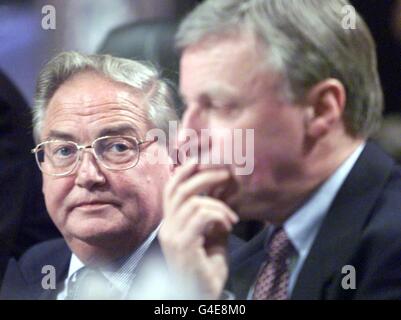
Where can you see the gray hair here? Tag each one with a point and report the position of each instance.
(307, 43)
(160, 93)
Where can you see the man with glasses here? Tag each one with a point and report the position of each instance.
(91, 116)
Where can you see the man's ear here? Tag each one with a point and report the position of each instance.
(326, 103)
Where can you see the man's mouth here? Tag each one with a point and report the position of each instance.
(93, 205)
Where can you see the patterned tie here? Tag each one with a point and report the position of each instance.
(272, 281)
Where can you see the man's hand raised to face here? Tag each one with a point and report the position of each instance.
(195, 230)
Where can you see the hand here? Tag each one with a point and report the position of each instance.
(195, 229)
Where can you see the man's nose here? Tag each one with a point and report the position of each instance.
(89, 172)
(194, 118)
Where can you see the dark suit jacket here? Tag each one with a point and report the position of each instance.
(362, 229)
(23, 278)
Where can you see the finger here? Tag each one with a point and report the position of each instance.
(179, 219)
(182, 173)
(203, 223)
(192, 226)
(196, 202)
(175, 222)
(218, 205)
(199, 183)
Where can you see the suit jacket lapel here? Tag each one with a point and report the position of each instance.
(245, 265)
(341, 229)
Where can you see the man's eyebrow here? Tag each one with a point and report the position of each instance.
(221, 91)
(214, 91)
(59, 135)
(118, 130)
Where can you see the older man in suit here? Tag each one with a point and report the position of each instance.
(303, 76)
(92, 116)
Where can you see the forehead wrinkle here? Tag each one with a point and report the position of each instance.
(75, 109)
(117, 112)
(131, 120)
(132, 114)
(87, 106)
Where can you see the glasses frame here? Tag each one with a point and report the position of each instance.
(81, 149)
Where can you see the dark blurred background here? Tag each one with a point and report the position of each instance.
(84, 24)
(141, 29)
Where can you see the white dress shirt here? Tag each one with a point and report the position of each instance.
(121, 273)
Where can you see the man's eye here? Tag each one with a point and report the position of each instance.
(118, 147)
(64, 151)
(222, 107)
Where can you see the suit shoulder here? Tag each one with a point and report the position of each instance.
(393, 185)
(53, 252)
(379, 250)
(44, 251)
(388, 206)
(23, 278)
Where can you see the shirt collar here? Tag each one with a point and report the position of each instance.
(122, 271)
(303, 225)
(75, 265)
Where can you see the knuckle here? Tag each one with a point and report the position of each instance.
(195, 201)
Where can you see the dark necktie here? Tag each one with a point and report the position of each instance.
(90, 284)
(273, 277)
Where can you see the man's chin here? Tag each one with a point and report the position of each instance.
(100, 236)
(96, 248)
(249, 206)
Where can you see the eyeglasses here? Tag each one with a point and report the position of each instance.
(60, 158)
